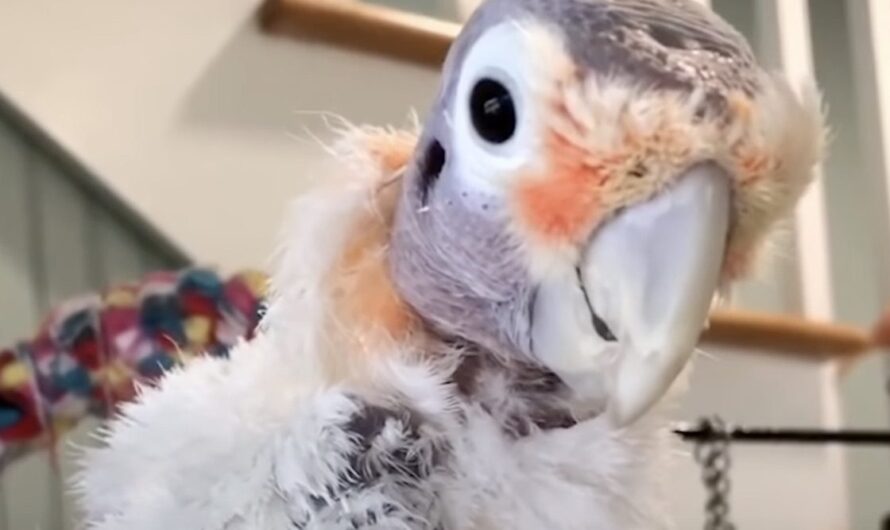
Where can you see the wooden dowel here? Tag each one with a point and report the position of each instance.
(364, 27)
(788, 334)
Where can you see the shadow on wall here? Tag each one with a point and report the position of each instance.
(255, 76)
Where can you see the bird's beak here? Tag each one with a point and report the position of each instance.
(647, 279)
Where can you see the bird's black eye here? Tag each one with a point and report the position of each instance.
(493, 111)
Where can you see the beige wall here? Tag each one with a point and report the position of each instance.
(188, 113)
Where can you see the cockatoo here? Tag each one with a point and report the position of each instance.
(476, 326)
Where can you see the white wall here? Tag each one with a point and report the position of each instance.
(187, 112)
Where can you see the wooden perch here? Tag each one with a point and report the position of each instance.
(786, 334)
(364, 27)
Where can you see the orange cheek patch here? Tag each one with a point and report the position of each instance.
(564, 204)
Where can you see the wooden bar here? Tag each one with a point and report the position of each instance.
(789, 335)
(364, 27)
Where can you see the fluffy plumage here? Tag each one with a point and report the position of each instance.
(264, 439)
(394, 383)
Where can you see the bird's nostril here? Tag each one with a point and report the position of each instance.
(431, 166)
(668, 37)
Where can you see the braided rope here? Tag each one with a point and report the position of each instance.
(92, 352)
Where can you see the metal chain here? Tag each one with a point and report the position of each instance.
(714, 459)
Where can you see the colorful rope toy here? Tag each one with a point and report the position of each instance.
(93, 352)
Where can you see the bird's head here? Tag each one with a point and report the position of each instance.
(592, 172)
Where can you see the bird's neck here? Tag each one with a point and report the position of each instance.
(521, 396)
